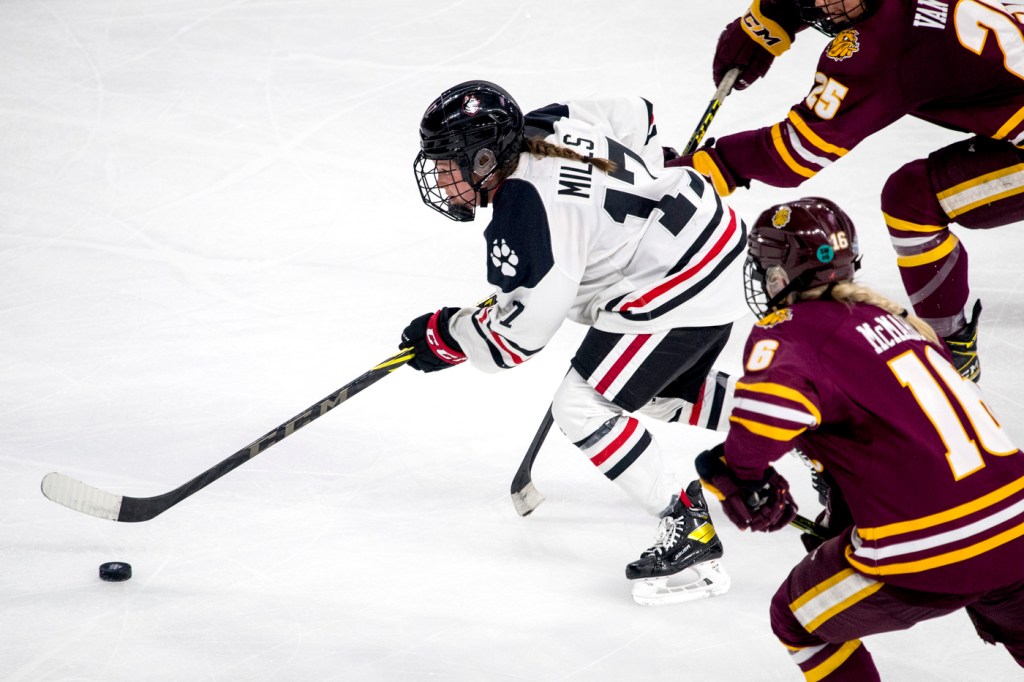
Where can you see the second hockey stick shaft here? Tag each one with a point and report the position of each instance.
(525, 495)
(724, 88)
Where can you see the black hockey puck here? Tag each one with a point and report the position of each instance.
(115, 571)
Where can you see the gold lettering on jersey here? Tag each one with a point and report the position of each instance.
(888, 331)
(844, 45)
(931, 13)
(575, 180)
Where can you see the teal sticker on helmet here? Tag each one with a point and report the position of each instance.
(826, 253)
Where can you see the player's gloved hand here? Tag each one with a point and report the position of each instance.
(762, 505)
(737, 50)
(708, 163)
(823, 533)
(834, 519)
(435, 348)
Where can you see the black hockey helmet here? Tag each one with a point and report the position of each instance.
(797, 246)
(477, 125)
(832, 16)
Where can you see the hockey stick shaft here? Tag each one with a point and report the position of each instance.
(89, 500)
(724, 88)
(810, 527)
(525, 495)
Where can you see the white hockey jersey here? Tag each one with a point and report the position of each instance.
(640, 250)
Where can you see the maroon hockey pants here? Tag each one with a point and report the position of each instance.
(977, 183)
(824, 607)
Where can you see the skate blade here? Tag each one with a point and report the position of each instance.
(702, 581)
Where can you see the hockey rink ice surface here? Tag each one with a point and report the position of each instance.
(208, 222)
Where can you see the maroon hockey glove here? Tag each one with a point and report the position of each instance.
(737, 50)
(762, 505)
(708, 163)
(429, 336)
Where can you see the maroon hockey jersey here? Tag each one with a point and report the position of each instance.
(935, 486)
(957, 64)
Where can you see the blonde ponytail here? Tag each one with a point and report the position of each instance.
(850, 293)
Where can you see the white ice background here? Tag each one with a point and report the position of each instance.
(208, 222)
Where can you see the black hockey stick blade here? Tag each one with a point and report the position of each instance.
(95, 502)
(724, 88)
(525, 495)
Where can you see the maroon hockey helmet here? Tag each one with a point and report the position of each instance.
(477, 125)
(832, 16)
(797, 246)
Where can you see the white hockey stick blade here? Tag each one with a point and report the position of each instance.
(527, 499)
(83, 498)
(701, 581)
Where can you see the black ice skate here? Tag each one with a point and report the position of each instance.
(964, 347)
(682, 565)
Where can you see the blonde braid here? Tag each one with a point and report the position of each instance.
(850, 294)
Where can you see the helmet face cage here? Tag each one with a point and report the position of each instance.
(797, 246)
(434, 194)
(478, 126)
(753, 287)
(835, 15)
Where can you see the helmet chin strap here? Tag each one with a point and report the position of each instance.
(485, 192)
(461, 213)
(795, 286)
(484, 164)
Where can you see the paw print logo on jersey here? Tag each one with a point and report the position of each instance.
(844, 45)
(504, 258)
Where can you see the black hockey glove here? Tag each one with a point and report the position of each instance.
(834, 519)
(429, 336)
(762, 505)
